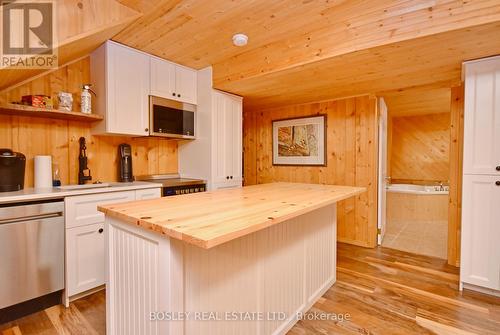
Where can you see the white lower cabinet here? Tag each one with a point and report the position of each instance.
(85, 258)
(85, 269)
(480, 264)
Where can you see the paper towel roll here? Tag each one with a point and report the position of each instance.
(43, 171)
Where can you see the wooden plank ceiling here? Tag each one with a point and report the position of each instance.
(418, 101)
(303, 51)
(81, 27)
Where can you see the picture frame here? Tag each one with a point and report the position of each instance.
(299, 141)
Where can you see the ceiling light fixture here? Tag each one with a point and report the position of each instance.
(240, 40)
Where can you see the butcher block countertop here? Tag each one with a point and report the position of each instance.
(208, 219)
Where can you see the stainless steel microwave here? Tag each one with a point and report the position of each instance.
(169, 118)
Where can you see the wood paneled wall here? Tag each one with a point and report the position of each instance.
(59, 138)
(456, 159)
(351, 158)
(420, 148)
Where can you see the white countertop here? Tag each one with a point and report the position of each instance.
(32, 194)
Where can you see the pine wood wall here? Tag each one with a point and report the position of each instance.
(351, 158)
(456, 160)
(59, 138)
(420, 148)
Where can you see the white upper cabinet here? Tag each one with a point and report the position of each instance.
(480, 263)
(185, 84)
(120, 78)
(162, 78)
(482, 117)
(227, 139)
(172, 81)
(123, 78)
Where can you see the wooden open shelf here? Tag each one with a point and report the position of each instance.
(13, 109)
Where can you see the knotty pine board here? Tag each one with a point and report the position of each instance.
(352, 143)
(456, 162)
(59, 138)
(420, 148)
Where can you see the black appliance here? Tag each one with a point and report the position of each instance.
(125, 173)
(83, 169)
(173, 184)
(12, 167)
(169, 118)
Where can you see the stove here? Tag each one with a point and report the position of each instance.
(174, 184)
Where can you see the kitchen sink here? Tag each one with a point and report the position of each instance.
(82, 187)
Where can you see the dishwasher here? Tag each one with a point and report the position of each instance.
(31, 250)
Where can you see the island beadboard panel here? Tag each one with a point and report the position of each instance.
(59, 138)
(420, 148)
(352, 143)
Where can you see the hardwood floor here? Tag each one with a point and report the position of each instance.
(384, 291)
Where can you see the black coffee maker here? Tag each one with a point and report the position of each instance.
(12, 167)
(125, 166)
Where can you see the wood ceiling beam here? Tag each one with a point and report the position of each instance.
(422, 61)
(352, 26)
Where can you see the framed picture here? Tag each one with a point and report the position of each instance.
(299, 141)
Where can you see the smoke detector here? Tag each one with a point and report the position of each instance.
(240, 40)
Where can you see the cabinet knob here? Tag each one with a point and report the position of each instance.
(101, 230)
(231, 177)
(497, 183)
(173, 94)
(179, 95)
(146, 130)
(498, 168)
(227, 177)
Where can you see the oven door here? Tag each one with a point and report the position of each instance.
(169, 118)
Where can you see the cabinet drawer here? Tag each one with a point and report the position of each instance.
(152, 193)
(82, 210)
(84, 258)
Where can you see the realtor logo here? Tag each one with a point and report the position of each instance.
(28, 34)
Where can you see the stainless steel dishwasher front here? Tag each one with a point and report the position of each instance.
(31, 251)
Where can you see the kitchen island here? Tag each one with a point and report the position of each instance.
(236, 261)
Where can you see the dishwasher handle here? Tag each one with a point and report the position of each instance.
(31, 218)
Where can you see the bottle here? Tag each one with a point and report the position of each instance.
(86, 99)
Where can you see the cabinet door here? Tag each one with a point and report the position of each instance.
(150, 193)
(227, 144)
(84, 258)
(482, 117)
(128, 90)
(82, 210)
(235, 107)
(185, 84)
(162, 78)
(480, 259)
(219, 138)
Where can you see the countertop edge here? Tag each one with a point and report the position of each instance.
(208, 244)
(52, 193)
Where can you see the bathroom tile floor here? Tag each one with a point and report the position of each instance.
(420, 237)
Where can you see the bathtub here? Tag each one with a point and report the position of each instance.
(417, 189)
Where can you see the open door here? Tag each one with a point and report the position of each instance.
(382, 170)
